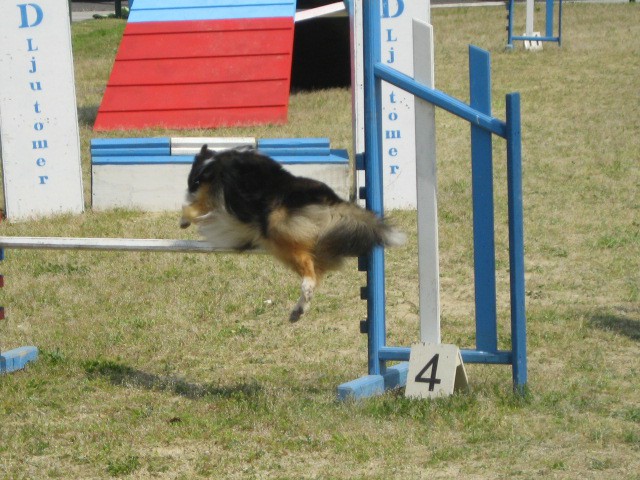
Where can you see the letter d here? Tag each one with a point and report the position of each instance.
(24, 15)
(385, 9)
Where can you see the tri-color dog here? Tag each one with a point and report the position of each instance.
(242, 200)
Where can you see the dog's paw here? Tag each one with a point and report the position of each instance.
(296, 313)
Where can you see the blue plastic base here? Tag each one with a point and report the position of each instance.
(370, 385)
(17, 358)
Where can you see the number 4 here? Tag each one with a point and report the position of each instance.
(432, 380)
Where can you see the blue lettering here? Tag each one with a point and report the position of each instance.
(389, 39)
(43, 179)
(30, 45)
(24, 15)
(41, 162)
(392, 56)
(38, 126)
(393, 116)
(386, 12)
(392, 134)
(40, 144)
(394, 169)
(35, 86)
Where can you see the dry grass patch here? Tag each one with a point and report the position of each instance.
(184, 366)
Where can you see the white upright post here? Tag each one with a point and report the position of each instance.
(427, 187)
(38, 116)
(531, 44)
(529, 20)
(357, 86)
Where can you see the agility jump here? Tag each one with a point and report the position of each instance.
(483, 126)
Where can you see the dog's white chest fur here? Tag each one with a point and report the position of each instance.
(225, 231)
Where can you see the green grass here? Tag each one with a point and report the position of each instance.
(185, 366)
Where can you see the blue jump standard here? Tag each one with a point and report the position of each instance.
(380, 376)
(17, 359)
(548, 37)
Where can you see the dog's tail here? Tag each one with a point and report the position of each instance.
(355, 231)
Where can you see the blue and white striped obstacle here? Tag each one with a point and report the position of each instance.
(150, 173)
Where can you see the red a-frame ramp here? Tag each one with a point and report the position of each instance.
(201, 64)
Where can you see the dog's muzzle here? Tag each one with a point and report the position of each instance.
(187, 215)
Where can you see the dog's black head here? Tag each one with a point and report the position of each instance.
(202, 172)
(199, 169)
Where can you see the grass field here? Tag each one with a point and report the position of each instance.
(184, 366)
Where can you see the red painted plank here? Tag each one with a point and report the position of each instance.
(212, 95)
(206, 44)
(146, 28)
(202, 118)
(200, 70)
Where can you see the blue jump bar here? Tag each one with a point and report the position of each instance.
(440, 99)
(536, 39)
(401, 354)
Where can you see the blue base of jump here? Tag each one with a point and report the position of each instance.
(17, 359)
(370, 385)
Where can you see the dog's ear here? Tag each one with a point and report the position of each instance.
(200, 170)
(202, 155)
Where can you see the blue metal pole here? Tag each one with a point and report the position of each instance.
(373, 183)
(535, 39)
(549, 18)
(441, 100)
(510, 24)
(516, 242)
(560, 22)
(483, 215)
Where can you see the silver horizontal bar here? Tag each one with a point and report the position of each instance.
(112, 244)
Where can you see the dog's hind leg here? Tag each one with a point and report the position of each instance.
(304, 302)
(304, 265)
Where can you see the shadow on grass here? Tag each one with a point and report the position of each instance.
(621, 324)
(123, 375)
(87, 115)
